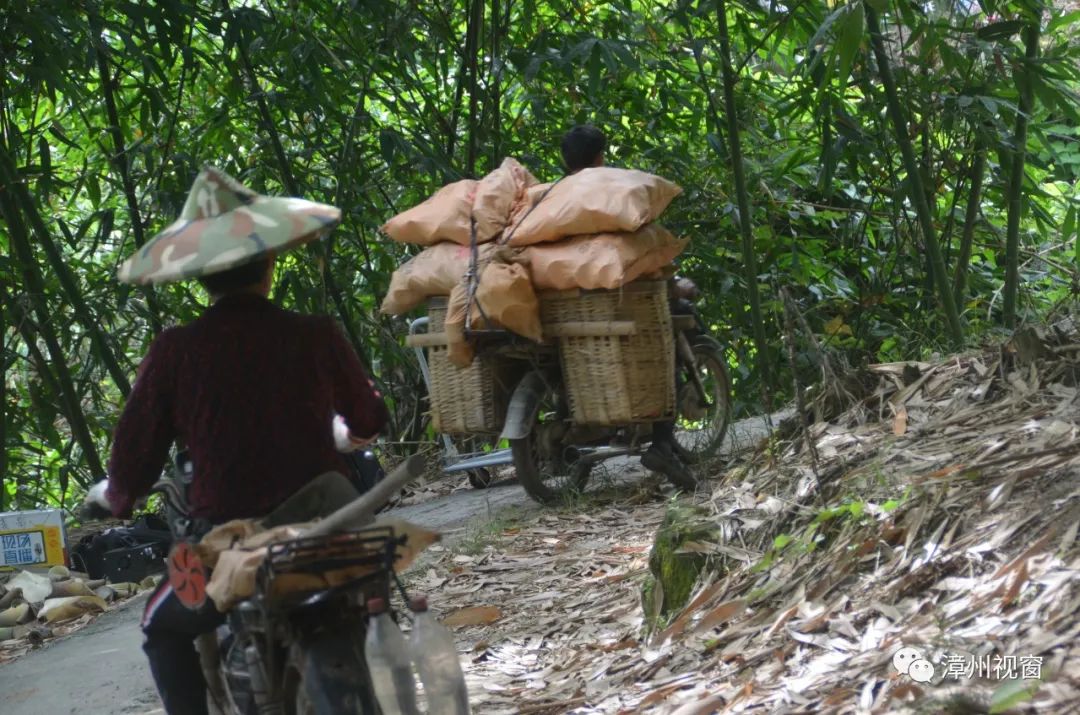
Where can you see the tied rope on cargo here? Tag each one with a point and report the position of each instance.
(506, 239)
(472, 275)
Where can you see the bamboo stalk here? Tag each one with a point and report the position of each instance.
(1018, 157)
(743, 198)
(3, 400)
(476, 22)
(119, 157)
(971, 217)
(339, 200)
(495, 83)
(914, 177)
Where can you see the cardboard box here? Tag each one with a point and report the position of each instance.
(32, 539)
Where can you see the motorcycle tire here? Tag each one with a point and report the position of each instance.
(546, 479)
(480, 478)
(705, 441)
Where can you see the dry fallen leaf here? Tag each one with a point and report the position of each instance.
(473, 616)
(722, 613)
(900, 421)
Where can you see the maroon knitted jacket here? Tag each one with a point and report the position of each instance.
(250, 390)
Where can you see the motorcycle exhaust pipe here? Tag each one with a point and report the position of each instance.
(361, 512)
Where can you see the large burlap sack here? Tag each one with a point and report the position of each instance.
(433, 271)
(596, 200)
(443, 217)
(525, 203)
(607, 260)
(505, 296)
(460, 351)
(496, 196)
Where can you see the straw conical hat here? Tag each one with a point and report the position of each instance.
(224, 225)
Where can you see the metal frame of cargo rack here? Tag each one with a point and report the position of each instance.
(452, 460)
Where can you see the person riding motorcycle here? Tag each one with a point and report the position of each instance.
(583, 147)
(249, 388)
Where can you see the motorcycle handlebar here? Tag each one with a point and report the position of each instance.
(361, 512)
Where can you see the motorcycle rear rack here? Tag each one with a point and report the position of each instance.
(375, 547)
(268, 619)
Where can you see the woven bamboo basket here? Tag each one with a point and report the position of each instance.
(471, 400)
(625, 372)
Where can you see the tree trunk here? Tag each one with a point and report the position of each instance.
(971, 217)
(714, 111)
(35, 289)
(914, 175)
(3, 399)
(743, 200)
(10, 176)
(1016, 171)
(472, 52)
(119, 158)
(495, 85)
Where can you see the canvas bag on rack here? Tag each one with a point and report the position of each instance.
(595, 200)
(460, 351)
(506, 297)
(443, 217)
(496, 196)
(607, 260)
(433, 271)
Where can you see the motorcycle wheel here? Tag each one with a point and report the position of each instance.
(295, 695)
(700, 428)
(480, 478)
(545, 466)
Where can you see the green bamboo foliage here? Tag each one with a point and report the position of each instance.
(56, 366)
(72, 292)
(742, 196)
(107, 111)
(917, 191)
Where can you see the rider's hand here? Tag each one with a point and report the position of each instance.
(344, 440)
(96, 505)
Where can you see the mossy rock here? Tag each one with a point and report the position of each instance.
(673, 575)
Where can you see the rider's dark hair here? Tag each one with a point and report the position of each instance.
(582, 146)
(243, 276)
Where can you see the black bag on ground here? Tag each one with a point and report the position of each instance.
(125, 554)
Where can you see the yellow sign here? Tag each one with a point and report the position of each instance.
(30, 539)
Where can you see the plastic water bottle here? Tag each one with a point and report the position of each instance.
(433, 650)
(387, 655)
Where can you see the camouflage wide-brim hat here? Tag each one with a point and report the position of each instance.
(224, 225)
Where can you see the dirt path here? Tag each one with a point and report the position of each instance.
(101, 669)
